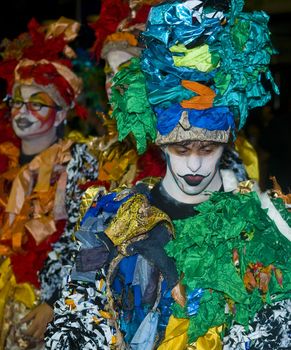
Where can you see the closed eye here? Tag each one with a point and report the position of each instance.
(207, 149)
(183, 150)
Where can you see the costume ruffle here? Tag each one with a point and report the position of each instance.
(269, 330)
(36, 202)
(80, 321)
(81, 168)
(83, 303)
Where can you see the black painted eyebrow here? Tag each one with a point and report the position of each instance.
(198, 143)
(211, 143)
(182, 143)
(181, 148)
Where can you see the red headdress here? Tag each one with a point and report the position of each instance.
(117, 16)
(42, 57)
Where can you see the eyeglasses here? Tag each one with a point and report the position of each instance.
(31, 106)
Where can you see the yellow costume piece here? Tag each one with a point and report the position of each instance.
(211, 340)
(176, 334)
(22, 292)
(135, 217)
(197, 58)
(176, 337)
(249, 157)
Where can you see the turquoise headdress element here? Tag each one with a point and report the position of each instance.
(205, 65)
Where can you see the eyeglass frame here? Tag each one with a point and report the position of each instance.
(28, 104)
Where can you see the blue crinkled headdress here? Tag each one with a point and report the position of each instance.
(205, 65)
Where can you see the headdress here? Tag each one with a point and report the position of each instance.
(42, 57)
(118, 26)
(204, 67)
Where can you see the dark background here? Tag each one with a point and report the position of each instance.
(268, 129)
(17, 14)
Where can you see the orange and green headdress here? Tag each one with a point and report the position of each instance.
(204, 66)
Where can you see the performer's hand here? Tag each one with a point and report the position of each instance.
(39, 318)
(178, 294)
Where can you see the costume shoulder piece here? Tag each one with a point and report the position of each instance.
(238, 257)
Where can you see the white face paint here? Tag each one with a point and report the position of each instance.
(192, 168)
(114, 60)
(27, 122)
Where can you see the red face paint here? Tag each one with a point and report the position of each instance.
(28, 123)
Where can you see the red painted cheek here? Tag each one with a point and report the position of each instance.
(47, 119)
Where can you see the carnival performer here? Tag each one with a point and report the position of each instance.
(196, 259)
(117, 32)
(41, 190)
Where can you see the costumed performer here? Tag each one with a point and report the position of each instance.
(117, 32)
(233, 251)
(41, 190)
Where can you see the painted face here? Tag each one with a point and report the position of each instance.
(114, 61)
(192, 165)
(36, 116)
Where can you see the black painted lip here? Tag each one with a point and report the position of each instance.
(193, 180)
(23, 123)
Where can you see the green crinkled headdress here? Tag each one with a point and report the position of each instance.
(131, 108)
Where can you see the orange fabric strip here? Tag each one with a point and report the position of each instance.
(204, 99)
(31, 207)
